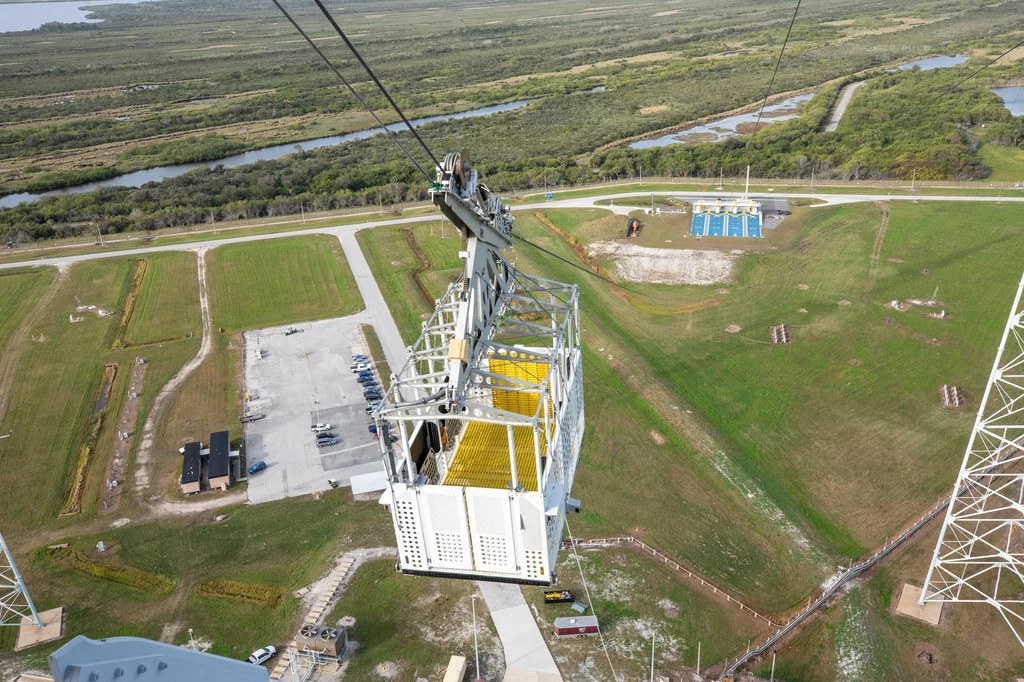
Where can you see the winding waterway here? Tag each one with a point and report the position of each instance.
(729, 126)
(158, 173)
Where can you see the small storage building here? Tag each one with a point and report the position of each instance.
(190, 468)
(219, 468)
(576, 626)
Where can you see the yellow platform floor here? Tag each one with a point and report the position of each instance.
(482, 458)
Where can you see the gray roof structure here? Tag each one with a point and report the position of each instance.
(190, 463)
(220, 451)
(132, 658)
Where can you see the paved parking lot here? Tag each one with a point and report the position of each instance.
(303, 379)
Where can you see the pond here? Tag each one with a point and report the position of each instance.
(929, 63)
(25, 16)
(158, 173)
(729, 126)
(1013, 98)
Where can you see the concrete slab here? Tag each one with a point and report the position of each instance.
(930, 613)
(53, 628)
(298, 380)
(518, 675)
(525, 648)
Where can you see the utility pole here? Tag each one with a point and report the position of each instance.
(773, 666)
(100, 233)
(303, 209)
(698, 657)
(913, 179)
(476, 646)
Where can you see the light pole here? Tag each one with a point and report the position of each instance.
(653, 638)
(476, 646)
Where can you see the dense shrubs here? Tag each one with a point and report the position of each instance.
(254, 593)
(117, 573)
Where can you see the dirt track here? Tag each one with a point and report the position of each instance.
(143, 486)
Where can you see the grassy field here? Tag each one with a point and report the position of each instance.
(380, 600)
(274, 282)
(801, 437)
(168, 304)
(53, 402)
(256, 545)
(806, 423)
(397, 264)
(19, 292)
(635, 598)
(1006, 163)
(861, 637)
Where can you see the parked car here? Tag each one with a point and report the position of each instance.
(366, 380)
(320, 428)
(326, 443)
(257, 467)
(359, 357)
(370, 407)
(324, 436)
(291, 330)
(261, 656)
(360, 367)
(372, 395)
(371, 427)
(368, 386)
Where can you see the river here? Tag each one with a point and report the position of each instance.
(158, 173)
(25, 16)
(723, 128)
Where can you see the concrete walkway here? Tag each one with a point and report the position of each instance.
(525, 648)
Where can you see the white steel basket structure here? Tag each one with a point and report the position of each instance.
(979, 556)
(481, 429)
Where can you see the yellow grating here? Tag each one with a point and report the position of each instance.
(517, 401)
(481, 459)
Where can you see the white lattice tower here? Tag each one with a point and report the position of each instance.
(15, 603)
(979, 556)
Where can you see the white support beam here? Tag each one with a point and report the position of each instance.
(979, 556)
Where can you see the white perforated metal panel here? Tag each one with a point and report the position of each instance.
(408, 532)
(446, 527)
(491, 529)
(533, 546)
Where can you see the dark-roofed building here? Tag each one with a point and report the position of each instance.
(190, 480)
(219, 468)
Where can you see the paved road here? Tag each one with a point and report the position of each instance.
(347, 233)
(844, 101)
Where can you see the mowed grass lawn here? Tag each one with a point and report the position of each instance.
(394, 264)
(286, 544)
(277, 281)
(1005, 163)
(411, 622)
(55, 386)
(633, 597)
(19, 292)
(168, 303)
(843, 429)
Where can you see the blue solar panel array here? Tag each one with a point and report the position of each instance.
(708, 224)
